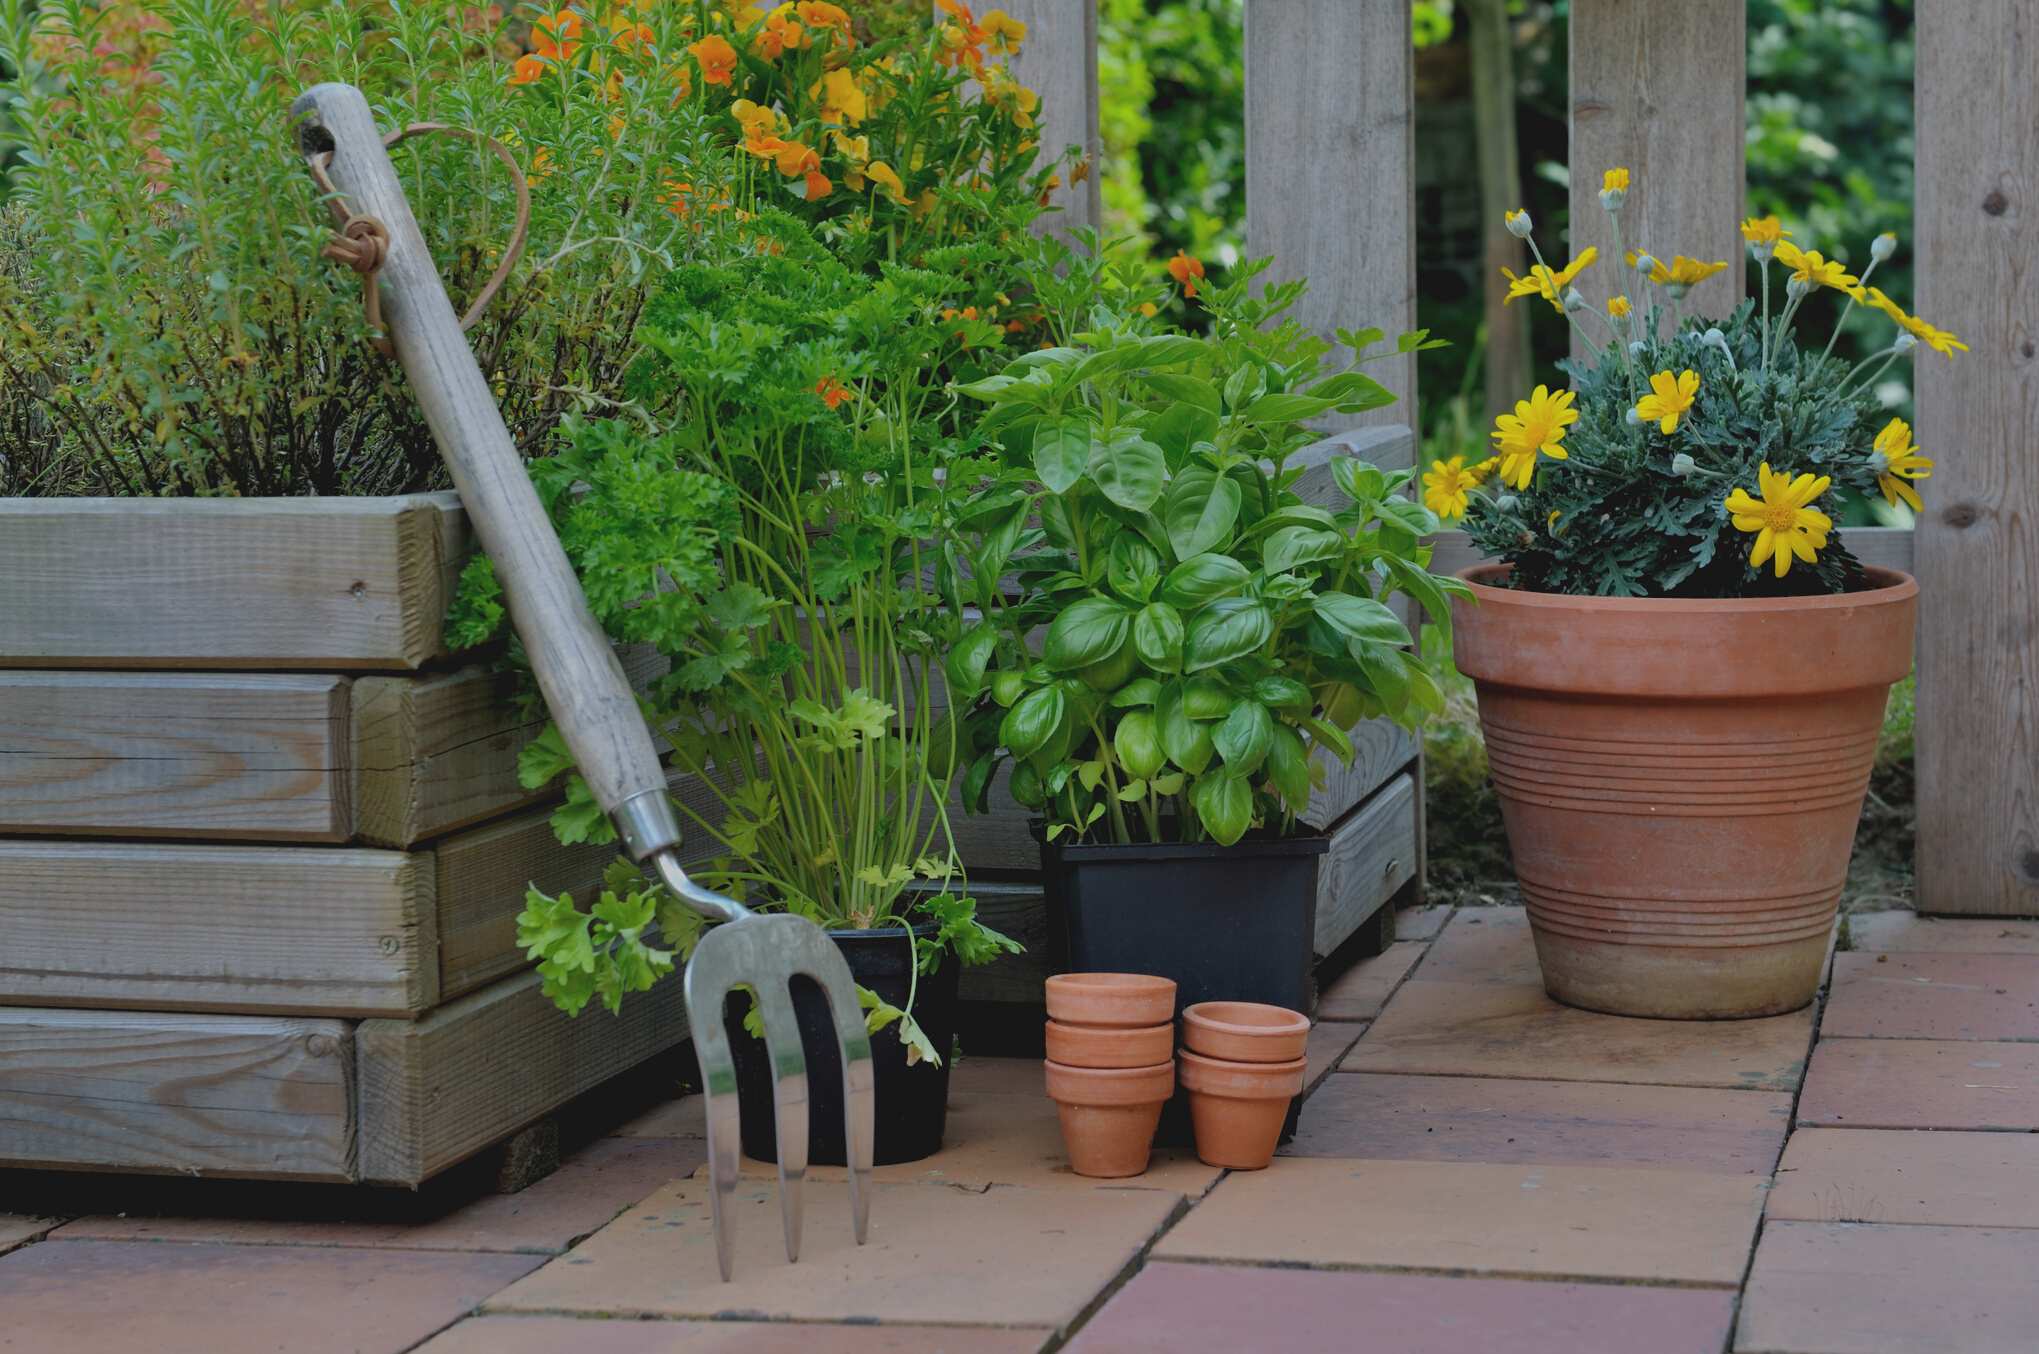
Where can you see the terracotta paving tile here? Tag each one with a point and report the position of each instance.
(682, 1118)
(1361, 991)
(16, 1230)
(1949, 1179)
(1568, 1221)
(939, 1255)
(1933, 996)
(1966, 935)
(1494, 1029)
(1833, 1288)
(1483, 945)
(106, 1295)
(1561, 1123)
(1329, 1042)
(1873, 931)
(998, 1076)
(553, 1334)
(1421, 923)
(588, 1189)
(1230, 1309)
(1918, 1083)
(1012, 1140)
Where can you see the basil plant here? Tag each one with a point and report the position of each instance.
(1166, 630)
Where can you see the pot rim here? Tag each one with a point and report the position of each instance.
(1892, 586)
(1286, 1030)
(1190, 1055)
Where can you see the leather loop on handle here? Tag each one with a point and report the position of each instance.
(583, 682)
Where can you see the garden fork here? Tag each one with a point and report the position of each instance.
(589, 697)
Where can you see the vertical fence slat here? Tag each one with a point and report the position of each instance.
(1657, 90)
(1978, 561)
(1058, 61)
(1330, 151)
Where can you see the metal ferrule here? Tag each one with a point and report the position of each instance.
(647, 824)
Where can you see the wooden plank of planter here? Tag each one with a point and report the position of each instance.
(1380, 748)
(308, 930)
(1373, 853)
(267, 1097)
(1884, 547)
(228, 583)
(212, 754)
(1391, 447)
(433, 1092)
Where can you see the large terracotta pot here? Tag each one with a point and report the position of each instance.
(1681, 781)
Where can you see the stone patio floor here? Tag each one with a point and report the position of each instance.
(1477, 1169)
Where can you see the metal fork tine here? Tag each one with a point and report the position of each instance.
(789, 1102)
(859, 1092)
(707, 986)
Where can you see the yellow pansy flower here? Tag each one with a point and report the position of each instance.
(885, 177)
(841, 97)
(1785, 527)
(1541, 281)
(1002, 33)
(1895, 461)
(1445, 487)
(1669, 397)
(1538, 424)
(1807, 266)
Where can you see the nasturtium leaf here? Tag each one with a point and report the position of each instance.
(1061, 450)
(1361, 618)
(1291, 546)
(1130, 470)
(1186, 741)
(1157, 637)
(1242, 739)
(1089, 629)
(1200, 513)
(1288, 766)
(1226, 806)
(1138, 743)
(1202, 579)
(1031, 723)
(1228, 628)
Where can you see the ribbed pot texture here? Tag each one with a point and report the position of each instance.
(1681, 779)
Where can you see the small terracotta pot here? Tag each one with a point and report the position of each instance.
(1120, 1000)
(1238, 1108)
(1681, 779)
(1104, 1046)
(1245, 1031)
(1109, 1115)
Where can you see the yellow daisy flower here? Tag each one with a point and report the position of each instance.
(1445, 486)
(1807, 266)
(1541, 281)
(1896, 461)
(1670, 397)
(1614, 181)
(1785, 527)
(1618, 307)
(1682, 272)
(1764, 230)
(1538, 424)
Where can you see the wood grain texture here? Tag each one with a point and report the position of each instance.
(1373, 853)
(236, 583)
(437, 753)
(1884, 547)
(212, 754)
(308, 930)
(1657, 90)
(1390, 446)
(1330, 141)
(585, 688)
(434, 1092)
(1058, 61)
(1380, 749)
(1019, 912)
(270, 1098)
(1978, 275)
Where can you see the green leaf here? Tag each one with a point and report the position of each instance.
(1428, 592)
(1189, 390)
(966, 661)
(477, 611)
(1200, 513)
(581, 819)
(1206, 697)
(1157, 637)
(1243, 738)
(1186, 741)
(543, 759)
(1061, 449)
(1202, 579)
(1353, 392)
(1226, 806)
(1032, 722)
(1228, 628)
(1285, 408)
(1359, 480)
(1007, 686)
(1386, 672)
(1172, 350)
(1281, 692)
(1138, 744)
(1361, 618)
(1413, 517)
(1291, 546)
(1288, 766)
(1087, 631)
(1138, 692)
(1129, 469)
(1332, 737)
(1135, 570)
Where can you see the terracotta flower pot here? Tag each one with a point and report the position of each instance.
(1108, 1115)
(1681, 781)
(1238, 1108)
(1106, 1046)
(1120, 1000)
(1245, 1031)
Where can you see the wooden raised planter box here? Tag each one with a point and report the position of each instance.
(262, 849)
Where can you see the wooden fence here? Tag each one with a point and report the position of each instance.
(1657, 87)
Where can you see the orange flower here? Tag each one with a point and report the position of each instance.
(629, 35)
(676, 197)
(717, 58)
(1186, 271)
(818, 185)
(832, 391)
(1004, 32)
(962, 41)
(555, 37)
(779, 35)
(824, 16)
(528, 69)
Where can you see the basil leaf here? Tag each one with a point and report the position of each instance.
(1292, 546)
(1285, 408)
(1243, 738)
(1138, 744)
(1061, 449)
(1288, 766)
(1228, 628)
(1030, 724)
(1203, 579)
(1206, 698)
(1280, 691)
(1157, 637)
(1200, 513)
(1090, 629)
(967, 660)
(1129, 469)
(1186, 741)
(1139, 691)
(1361, 618)
(1189, 390)
(1226, 806)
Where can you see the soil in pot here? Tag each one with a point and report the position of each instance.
(1245, 1032)
(1108, 1115)
(1681, 781)
(912, 1102)
(1111, 1000)
(1098, 1046)
(1237, 1108)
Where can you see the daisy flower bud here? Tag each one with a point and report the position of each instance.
(1637, 348)
(1645, 263)
(1508, 503)
(1713, 338)
(1904, 343)
(1518, 224)
(1635, 417)
(1683, 465)
(1797, 287)
(1884, 246)
(1574, 301)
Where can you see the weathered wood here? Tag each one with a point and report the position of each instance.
(1978, 275)
(1380, 749)
(1373, 853)
(211, 754)
(1390, 446)
(307, 930)
(1019, 911)
(433, 1092)
(437, 753)
(1884, 547)
(1058, 61)
(1330, 141)
(233, 583)
(264, 1097)
(1657, 90)
(1509, 361)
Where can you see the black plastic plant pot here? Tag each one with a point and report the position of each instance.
(1227, 923)
(913, 1102)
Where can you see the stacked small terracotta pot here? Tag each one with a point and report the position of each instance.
(1109, 1070)
(1242, 1063)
